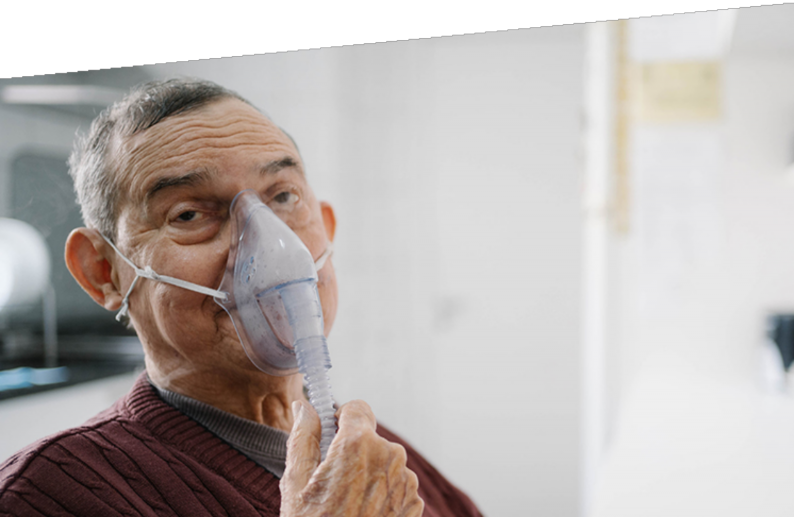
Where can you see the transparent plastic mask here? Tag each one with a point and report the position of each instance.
(265, 256)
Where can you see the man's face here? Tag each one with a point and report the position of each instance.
(181, 176)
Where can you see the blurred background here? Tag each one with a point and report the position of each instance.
(563, 254)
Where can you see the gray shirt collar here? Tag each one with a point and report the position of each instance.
(263, 444)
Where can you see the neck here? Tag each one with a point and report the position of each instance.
(254, 395)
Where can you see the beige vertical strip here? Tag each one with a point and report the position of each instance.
(622, 199)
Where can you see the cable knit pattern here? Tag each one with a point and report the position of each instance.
(142, 457)
(263, 444)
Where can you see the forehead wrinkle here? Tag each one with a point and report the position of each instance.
(198, 134)
(210, 122)
(190, 134)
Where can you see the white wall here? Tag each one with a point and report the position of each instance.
(506, 139)
(758, 193)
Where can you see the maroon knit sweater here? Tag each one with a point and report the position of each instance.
(143, 457)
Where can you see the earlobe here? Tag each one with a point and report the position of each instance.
(86, 259)
(329, 219)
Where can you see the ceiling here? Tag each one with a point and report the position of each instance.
(80, 94)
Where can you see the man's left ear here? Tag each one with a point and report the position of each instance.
(329, 219)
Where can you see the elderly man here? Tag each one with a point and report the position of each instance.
(203, 431)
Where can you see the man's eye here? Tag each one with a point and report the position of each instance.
(187, 216)
(286, 198)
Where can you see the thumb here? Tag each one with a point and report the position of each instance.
(303, 450)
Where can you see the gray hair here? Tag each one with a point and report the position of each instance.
(91, 165)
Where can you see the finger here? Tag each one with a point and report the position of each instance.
(303, 449)
(398, 477)
(415, 508)
(354, 414)
(412, 491)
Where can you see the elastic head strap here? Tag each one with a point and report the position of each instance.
(149, 273)
(320, 262)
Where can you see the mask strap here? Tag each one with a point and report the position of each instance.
(149, 273)
(320, 262)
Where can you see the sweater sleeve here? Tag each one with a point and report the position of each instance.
(116, 469)
(48, 479)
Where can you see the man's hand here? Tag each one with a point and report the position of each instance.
(362, 475)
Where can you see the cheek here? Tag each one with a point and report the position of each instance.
(181, 315)
(327, 289)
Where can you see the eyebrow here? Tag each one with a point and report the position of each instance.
(190, 179)
(196, 177)
(278, 165)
